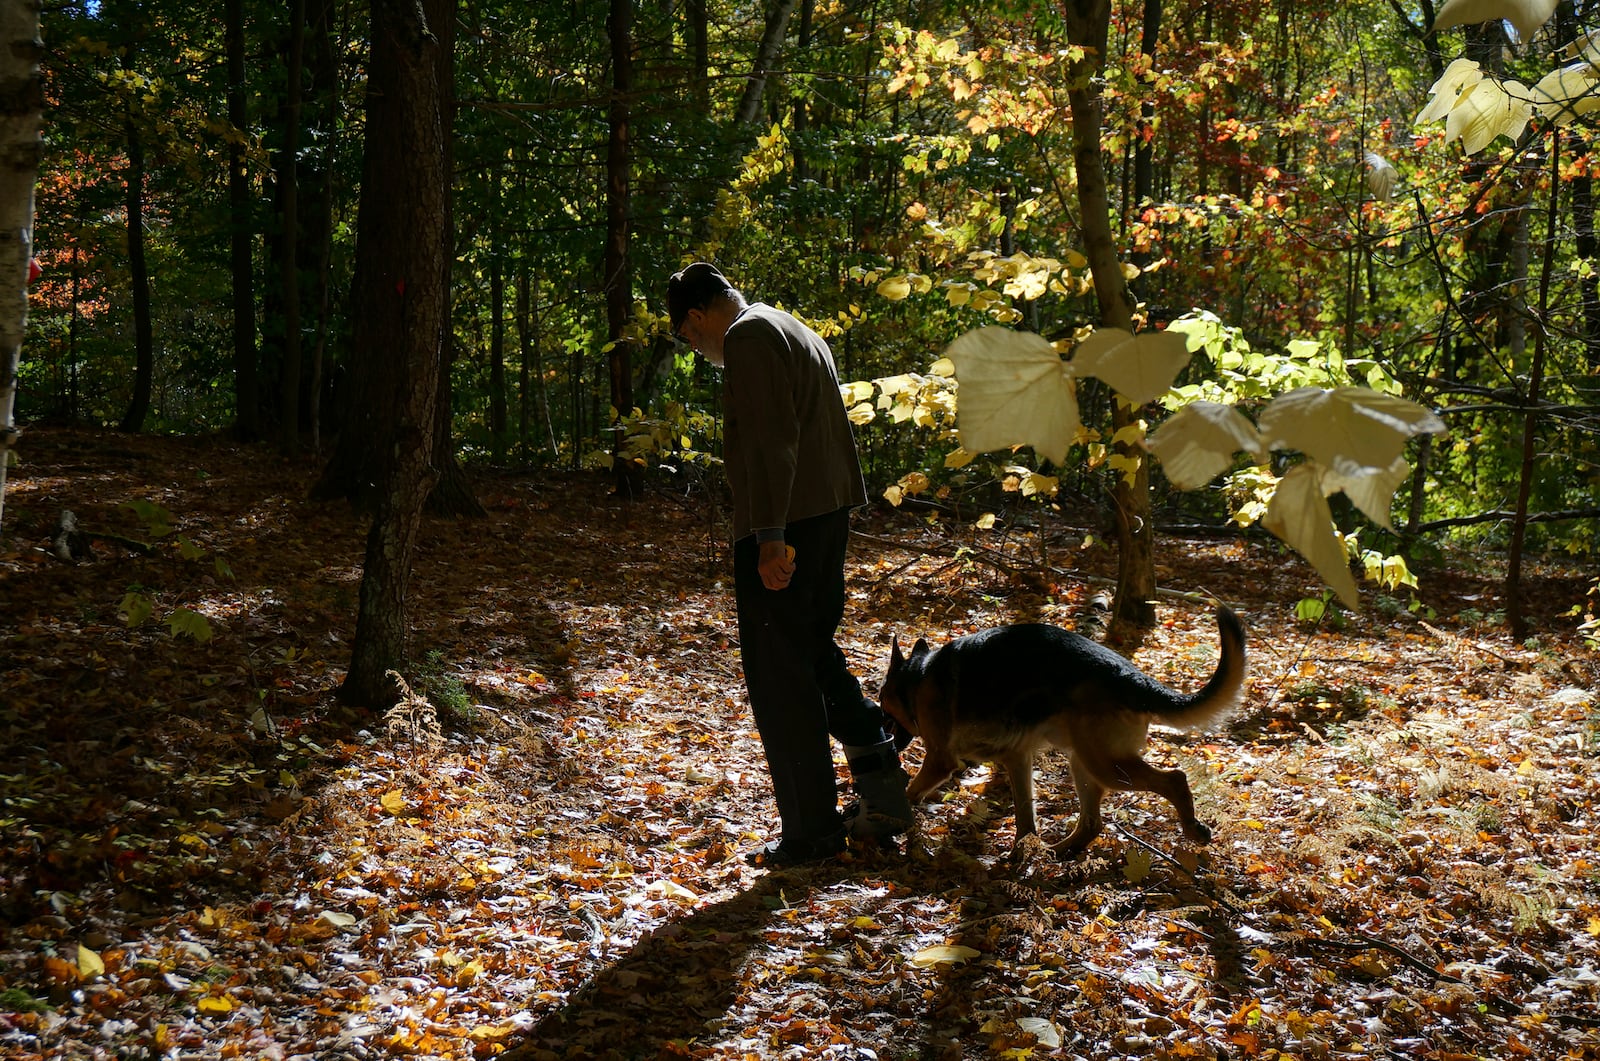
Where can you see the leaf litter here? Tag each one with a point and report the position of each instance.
(537, 855)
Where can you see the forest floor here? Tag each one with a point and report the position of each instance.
(203, 855)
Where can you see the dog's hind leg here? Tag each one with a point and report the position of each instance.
(1090, 792)
(1019, 768)
(1133, 774)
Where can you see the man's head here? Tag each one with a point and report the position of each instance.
(700, 306)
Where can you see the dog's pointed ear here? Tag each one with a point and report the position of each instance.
(895, 658)
(920, 648)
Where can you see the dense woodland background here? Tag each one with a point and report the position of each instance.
(817, 151)
(535, 852)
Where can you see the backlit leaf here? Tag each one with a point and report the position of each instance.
(1014, 390)
(1198, 442)
(1139, 367)
(1568, 92)
(1488, 110)
(1351, 424)
(1526, 15)
(1299, 514)
(1369, 489)
(1457, 78)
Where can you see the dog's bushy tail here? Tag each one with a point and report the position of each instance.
(1222, 694)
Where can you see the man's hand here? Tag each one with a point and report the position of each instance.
(776, 564)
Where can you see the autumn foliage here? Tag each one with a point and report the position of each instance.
(537, 854)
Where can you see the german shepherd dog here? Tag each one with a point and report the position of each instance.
(1003, 694)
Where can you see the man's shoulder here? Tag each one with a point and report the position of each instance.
(761, 317)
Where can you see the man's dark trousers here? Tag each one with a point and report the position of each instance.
(800, 687)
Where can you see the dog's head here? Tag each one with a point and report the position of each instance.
(898, 697)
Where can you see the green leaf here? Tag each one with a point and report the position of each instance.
(1139, 367)
(138, 607)
(157, 520)
(189, 623)
(1198, 442)
(1299, 514)
(1014, 390)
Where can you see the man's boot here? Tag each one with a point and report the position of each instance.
(883, 809)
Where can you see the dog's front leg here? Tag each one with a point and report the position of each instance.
(935, 771)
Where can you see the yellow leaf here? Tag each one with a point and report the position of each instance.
(89, 963)
(985, 521)
(895, 288)
(492, 1033)
(857, 391)
(393, 802)
(215, 1004)
(942, 954)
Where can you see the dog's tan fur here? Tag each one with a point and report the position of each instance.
(1004, 694)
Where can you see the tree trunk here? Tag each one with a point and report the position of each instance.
(144, 369)
(1088, 24)
(1516, 614)
(618, 276)
(777, 26)
(21, 101)
(289, 245)
(241, 209)
(452, 493)
(532, 359)
(497, 337)
(399, 308)
(317, 194)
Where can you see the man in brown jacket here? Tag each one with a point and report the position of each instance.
(791, 461)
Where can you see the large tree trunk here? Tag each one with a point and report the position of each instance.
(289, 245)
(21, 101)
(241, 209)
(1088, 22)
(618, 277)
(316, 194)
(452, 494)
(399, 307)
